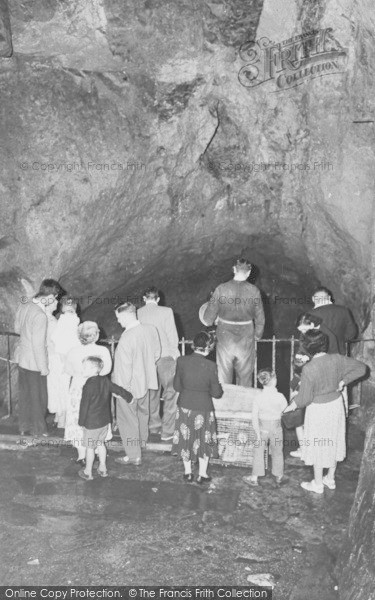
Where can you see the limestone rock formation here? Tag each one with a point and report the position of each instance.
(131, 152)
(5, 32)
(136, 148)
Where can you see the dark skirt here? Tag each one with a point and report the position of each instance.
(195, 435)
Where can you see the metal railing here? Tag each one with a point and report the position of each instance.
(9, 361)
(183, 343)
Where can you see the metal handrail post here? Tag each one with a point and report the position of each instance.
(273, 354)
(292, 341)
(9, 373)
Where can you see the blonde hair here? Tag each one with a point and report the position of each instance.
(88, 332)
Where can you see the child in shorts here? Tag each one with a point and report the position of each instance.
(267, 410)
(95, 414)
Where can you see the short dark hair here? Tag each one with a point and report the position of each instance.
(126, 307)
(265, 376)
(49, 287)
(314, 342)
(69, 301)
(151, 293)
(308, 319)
(323, 289)
(94, 360)
(202, 341)
(243, 264)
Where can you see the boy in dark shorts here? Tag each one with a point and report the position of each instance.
(95, 414)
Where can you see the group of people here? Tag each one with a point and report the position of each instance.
(62, 367)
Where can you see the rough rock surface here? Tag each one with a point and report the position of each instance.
(130, 152)
(5, 32)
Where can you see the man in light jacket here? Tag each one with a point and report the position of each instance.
(162, 318)
(31, 324)
(135, 370)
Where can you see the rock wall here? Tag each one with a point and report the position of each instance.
(132, 154)
(136, 149)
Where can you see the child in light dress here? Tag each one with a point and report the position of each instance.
(267, 410)
(64, 337)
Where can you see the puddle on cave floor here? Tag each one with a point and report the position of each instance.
(146, 526)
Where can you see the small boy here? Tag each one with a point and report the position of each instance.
(266, 416)
(95, 414)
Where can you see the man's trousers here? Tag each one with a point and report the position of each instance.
(132, 421)
(32, 401)
(166, 368)
(235, 353)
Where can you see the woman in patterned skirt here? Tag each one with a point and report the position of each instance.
(322, 381)
(195, 432)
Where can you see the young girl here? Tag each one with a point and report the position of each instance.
(55, 367)
(197, 382)
(266, 416)
(63, 337)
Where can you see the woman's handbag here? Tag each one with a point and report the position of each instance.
(294, 418)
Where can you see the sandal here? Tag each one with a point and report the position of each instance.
(82, 473)
(102, 473)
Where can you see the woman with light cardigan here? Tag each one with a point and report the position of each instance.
(322, 381)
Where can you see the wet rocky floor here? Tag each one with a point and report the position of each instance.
(145, 526)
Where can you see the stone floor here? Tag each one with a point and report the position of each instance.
(146, 526)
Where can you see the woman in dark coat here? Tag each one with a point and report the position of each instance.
(322, 381)
(197, 382)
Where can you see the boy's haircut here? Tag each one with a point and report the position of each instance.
(308, 319)
(151, 293)
(94, 360)
(265, 376)
(126, 307)
(68, 301)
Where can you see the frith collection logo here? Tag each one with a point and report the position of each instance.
(293, 61)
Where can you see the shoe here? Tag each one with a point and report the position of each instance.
(125, 460)
(189, 477)
(201, 479)
(80, 461)
(279, 479)
(85, 475)
(330, 483)
(166, 438)
(249, 479)
(311, 486)
(102, 473)
(296, 453)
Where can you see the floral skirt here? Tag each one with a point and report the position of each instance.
(195, 435)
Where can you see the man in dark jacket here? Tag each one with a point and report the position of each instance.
(336, 317)
(237, 304)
